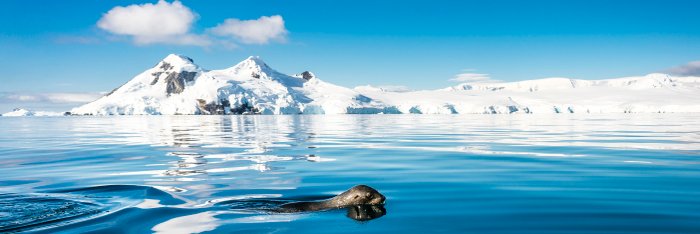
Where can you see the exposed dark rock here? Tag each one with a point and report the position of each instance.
(364, 110)
(255, 75)
(415, 110)
(362, 98)
(211, 108)
(306, 75)
(206, 108)
(245, 109)
(166, 66)
(512, 109)
(155, 80)
(113, 90)
(451, 108)
(176, 81)
(157, 73)
(491, 110)
(225, 105)
(188, 59)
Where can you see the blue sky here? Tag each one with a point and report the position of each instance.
(56, 47)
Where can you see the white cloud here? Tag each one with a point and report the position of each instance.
(473, 78)
(688, 69)
(22, 98)
(259, 31)
(163, 22)
(52, 97)
(172, 23)
(72, 97)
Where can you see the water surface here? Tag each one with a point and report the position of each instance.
(441, 173)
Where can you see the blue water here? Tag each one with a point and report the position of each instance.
(442, 173)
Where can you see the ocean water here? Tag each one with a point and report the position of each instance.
(439, 173)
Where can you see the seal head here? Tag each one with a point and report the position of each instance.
(359, 195)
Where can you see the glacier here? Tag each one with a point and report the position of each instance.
(21, 112)
(653, 93)
(177, 86)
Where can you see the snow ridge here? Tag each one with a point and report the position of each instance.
(18, 112)
(176, 85)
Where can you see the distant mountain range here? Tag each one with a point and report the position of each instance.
(177, 86)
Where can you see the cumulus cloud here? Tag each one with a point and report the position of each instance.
(688, 69)
(258, 31)
(172, 23)
(163, 22)
(470, 77)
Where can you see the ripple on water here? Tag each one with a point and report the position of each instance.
(452, 173)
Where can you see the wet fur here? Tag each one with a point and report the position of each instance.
(355, 196)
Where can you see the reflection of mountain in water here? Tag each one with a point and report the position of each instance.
(246, 132)
(236, 151)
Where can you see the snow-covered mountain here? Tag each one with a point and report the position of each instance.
(17, 112)
(178, 86)
(651, 81)
(652, 93)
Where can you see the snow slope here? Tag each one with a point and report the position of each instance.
(652, 93)
(178, 86)
(24, 112)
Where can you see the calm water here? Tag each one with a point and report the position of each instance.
(448, 173)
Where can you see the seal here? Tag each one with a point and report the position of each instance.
(360, 195)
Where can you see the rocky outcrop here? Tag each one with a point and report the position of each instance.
(210, 108)
(176, 81)
(245, 109)
(307, 75)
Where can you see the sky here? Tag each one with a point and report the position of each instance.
(56, 54)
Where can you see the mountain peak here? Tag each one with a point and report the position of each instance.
(253, 65)
(177, 59)
(253, 61)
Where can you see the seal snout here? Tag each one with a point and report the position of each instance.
(379, 199)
